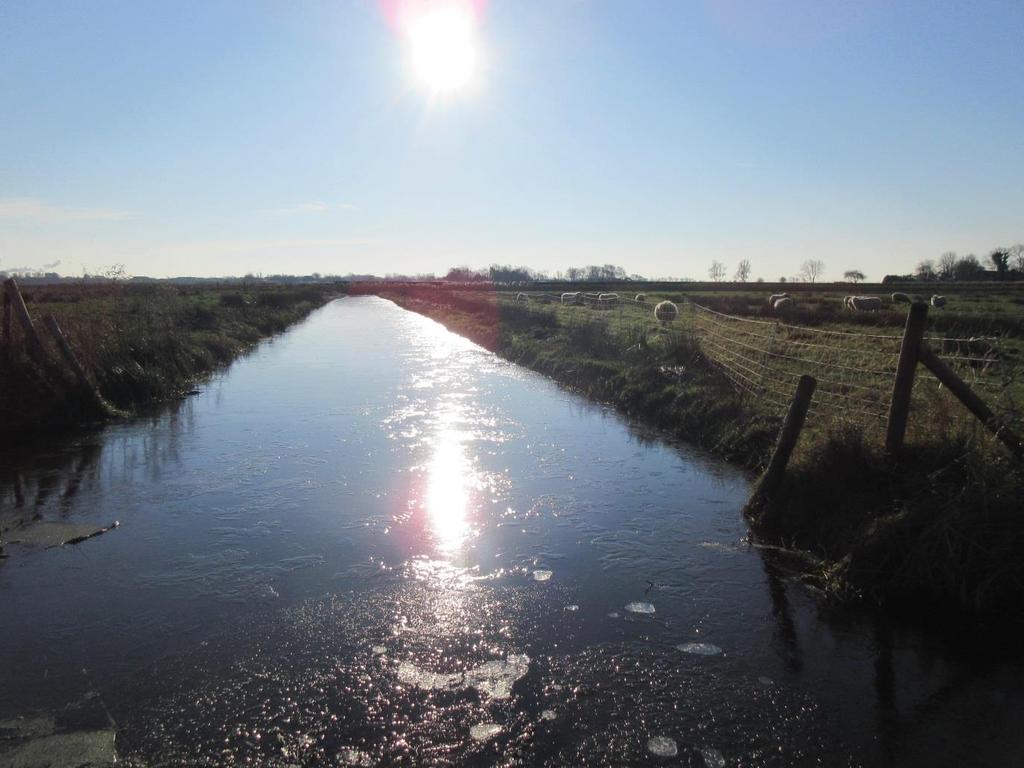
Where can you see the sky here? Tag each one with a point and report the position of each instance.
(222, 138)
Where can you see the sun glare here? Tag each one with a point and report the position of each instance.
(442, 44)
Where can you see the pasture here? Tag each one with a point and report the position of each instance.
(763, 350)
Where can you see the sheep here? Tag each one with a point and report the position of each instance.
(866, 303)
(521, 298)
(938, 301)
(666, 311)
(901, 298)
(571, 298)
(781, 303)
(641, 298)
(775, 297)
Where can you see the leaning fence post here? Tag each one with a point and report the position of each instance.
(35, 343)
(794, 422)
(903, 385)
(974, 404)
(69, 356)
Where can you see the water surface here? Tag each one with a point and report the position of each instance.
(374, 543)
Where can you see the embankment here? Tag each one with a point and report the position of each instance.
(936, 532)
(138, 345)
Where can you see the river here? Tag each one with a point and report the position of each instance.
(371, 542)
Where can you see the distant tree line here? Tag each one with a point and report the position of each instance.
(504, 273)
(1001, 264)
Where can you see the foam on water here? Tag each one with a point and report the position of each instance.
(494, 679)
(662, 746)
(700, 649)
(548, 714)
(355, 757)
(484, 731)
(712, 757)
(541, 575)
(640, 607)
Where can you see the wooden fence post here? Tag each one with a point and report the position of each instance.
(35, 343)
(903, 385)
(974, 404)
(794, 422)
(7, 320)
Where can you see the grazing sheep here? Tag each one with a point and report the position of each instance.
(641, 298)
(775, 297)
(901, 298)
(521, 298)
(666, 311)
(572, 298)
(938, 301)
(782, 303)
(866, 303)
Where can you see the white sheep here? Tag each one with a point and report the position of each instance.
(775, 297)
(666, 311)
(938, 301)
(866, 303)
(782, 303)
(901, 298)
(521, 298)
(641, 298)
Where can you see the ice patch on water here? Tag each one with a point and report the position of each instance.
(640, 607)
(541, 575)
(548, 714)
(356, 757)
(484, 731)
(572, 608)
(494, 679)
(662, 746)
(712, 757)
(700, 649)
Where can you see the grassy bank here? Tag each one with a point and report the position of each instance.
(138, 345)
(940, 527)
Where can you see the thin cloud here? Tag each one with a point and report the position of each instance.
(31, 209)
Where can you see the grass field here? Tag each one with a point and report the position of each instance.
(940, 524)
(139, 344)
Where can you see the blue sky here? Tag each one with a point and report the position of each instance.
(217, 138)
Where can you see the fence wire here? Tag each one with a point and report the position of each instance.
(764, 358)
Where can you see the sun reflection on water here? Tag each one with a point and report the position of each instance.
(450, 478)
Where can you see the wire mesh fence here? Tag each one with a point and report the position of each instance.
(764, 359)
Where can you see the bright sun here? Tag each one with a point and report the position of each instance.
(442, 40)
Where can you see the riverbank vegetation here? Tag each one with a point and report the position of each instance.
(138, 345)
(937, 527)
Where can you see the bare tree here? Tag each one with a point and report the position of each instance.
(1017, 256)
(947, 264)
(811, 270)
(717, 271)
(742, 271)
(852, 276)
(925, 270)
